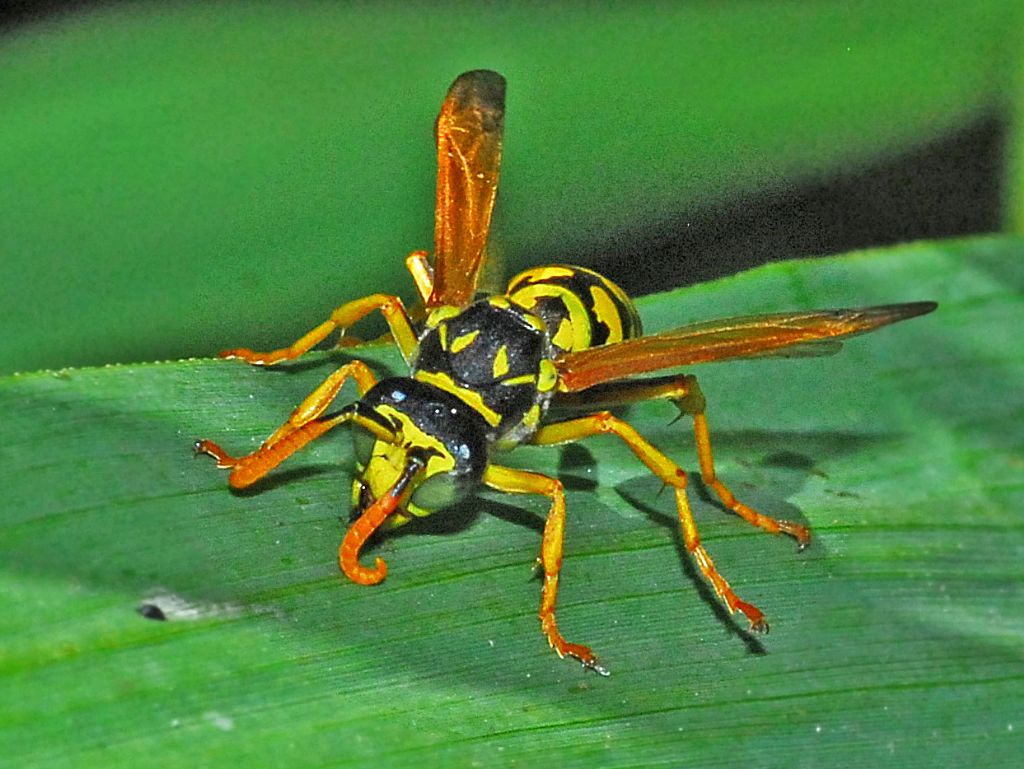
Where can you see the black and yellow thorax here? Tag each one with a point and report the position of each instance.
(497, 355)
(494, 356)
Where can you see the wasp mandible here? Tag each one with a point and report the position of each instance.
(484, 372)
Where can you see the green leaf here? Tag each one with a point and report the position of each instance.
(897, 638)
(180, 175)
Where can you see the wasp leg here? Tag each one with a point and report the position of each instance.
(669, 473)
(685, 393)
(302, 427)
(422, 273)
(355, 538)
(342, 318)
(523, 482)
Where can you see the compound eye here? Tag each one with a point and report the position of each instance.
(363, 442)
(437, 491)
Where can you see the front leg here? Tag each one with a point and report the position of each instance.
(303, 426)
(342, 318)
(523, 482)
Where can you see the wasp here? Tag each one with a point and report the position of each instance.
(487, 373)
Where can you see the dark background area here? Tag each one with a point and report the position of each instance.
(14, 13)
(947, 188)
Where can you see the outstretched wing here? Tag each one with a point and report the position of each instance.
(816, 332)
(468, 160)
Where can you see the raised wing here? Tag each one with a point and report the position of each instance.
(468, 160)
(816, 332)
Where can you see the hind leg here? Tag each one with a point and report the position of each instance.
(685, 393)
(605, 423)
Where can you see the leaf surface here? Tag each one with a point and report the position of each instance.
(896, 638)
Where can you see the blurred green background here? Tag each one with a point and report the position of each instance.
(178, 177)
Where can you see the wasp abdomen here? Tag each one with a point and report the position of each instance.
(580, 308)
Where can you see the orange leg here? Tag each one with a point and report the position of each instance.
(685, 393)
(670, 474)
(342, 318)
(368, 523)
(355, 538)
(523, 482)
(422, 273)
(302, 427)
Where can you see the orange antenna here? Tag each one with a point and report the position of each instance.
(369, 522)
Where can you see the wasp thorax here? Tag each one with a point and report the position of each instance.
(417, 420)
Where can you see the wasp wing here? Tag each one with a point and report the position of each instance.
(816, 332)
(468, 132)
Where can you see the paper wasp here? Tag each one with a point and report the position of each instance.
(484, 373)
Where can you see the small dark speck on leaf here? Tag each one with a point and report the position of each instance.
(151, 611)
(844, 494)
(301, 501)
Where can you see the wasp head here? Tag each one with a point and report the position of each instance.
(418, 439)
